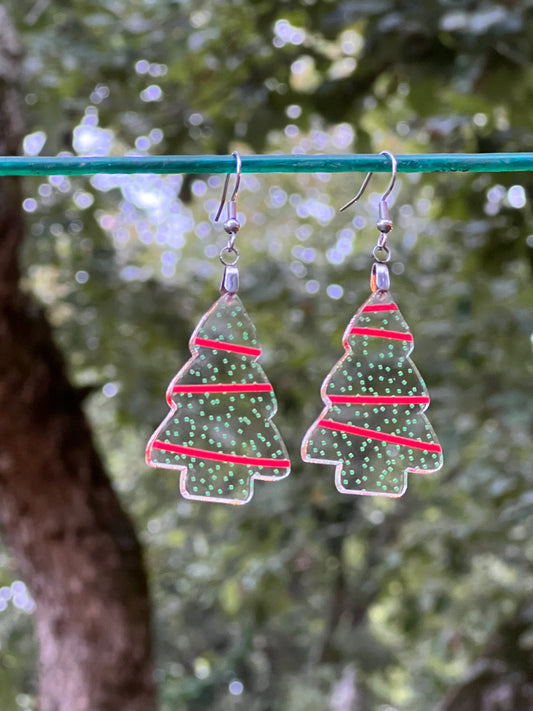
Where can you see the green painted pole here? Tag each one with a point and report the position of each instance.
(429, 163)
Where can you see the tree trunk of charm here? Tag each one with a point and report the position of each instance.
(74, 545)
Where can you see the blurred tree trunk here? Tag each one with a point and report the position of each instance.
(502, 678)
(74, 545)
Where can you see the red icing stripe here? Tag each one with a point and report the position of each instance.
(223, 346)
(380, 307)
(221, 456)
(382, 436)
(382, 333)
(224, 388)
(380, 400)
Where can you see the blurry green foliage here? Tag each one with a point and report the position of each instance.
(303, 598)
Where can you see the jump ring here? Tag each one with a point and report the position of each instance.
(229, 250)
(380, 250)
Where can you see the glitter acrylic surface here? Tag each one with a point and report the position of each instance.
(373, 426)
(219, 433)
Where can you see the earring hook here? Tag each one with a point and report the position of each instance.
(232, 204)
(229, 255)
(394, 164)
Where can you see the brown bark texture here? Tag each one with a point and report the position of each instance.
(74, 545)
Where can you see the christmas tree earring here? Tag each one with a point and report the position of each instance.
(373, 427)
(219, 433)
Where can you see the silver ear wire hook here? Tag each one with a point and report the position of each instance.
(232, 204)
(230, 280)
(379, 279)
(367, 180)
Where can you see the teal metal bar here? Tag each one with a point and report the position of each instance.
(429, 163)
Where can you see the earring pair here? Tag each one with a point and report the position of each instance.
(220, 432)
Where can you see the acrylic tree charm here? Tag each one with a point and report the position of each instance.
(219, 433)
(373, 426)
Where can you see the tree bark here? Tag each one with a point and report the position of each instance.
(74, 545)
